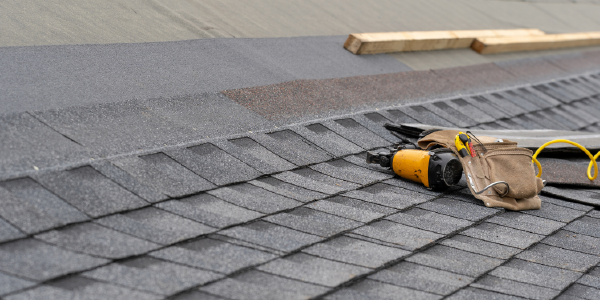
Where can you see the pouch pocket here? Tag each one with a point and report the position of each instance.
(514, 166)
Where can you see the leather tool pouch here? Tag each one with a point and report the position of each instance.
(494, 162)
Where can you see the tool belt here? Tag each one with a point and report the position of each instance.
(501, 174)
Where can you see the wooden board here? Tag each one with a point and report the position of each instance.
(386, 42)
(489, 45)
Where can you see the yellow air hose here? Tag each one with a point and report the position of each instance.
(592, 158)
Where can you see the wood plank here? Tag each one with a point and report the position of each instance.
(489, 45)
(386, 42)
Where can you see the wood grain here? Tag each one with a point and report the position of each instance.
(489, 45)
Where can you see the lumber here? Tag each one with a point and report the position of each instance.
(387, 42)
(489, 45)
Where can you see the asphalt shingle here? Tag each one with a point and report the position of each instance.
(313, 180)
(96, 240)
(371, 289)
(155, 225)
(485, 105)
(411, 185)
(288, 190)
(567, 204)
(482, 247)
(353, 251)
(347, 171)
(163, 173)
(80, 287)
(196, 295)
(387, 195)
(473, 112)
(428, 220)
(454, 260)
(351, 208)
(313, 222)
(254, 198)
(90, 191)
(152, 275)
(402, 236)
(313, 269)
(574, 241)
(555, 212)
(255, 155)
(536, 274)
(424, 116)
(471, 293)
(586, 225)
(10, 284)
(210, 254)
(29, 258)
(458, 209)
(214, 164)
(583, 292)
(503, 235)
(271, 236)
(209, 210)
(511, 287)
(592, 278)
(327, 140)
(374, 122)
(9, 232)
(256, 285)
(449, 113)
(30, 207)
(557, 257)
(146, 191)
(526, 222)
(292, 147)
(422, 278)
(351, 130)
(360, 159)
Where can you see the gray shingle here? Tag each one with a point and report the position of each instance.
(213, 255)
(90, 191)
(578, 195)
(485, 105)
(458, 209)
(351, 208)
(511, 287)
(557, 257)
(234, 241)
(255, 155)
(387, 195)
(10, 284)
(517, 100)
(504, 104)
(291, 147)
(555, 212)
(586, 225)
(155, 225)
(29, 206)
(411, 185)
(313, 269)
(503, 235)
(256, 285)
(96, 240)
(316, 181)
(397, 116)
(162, 172)
(370, 289)
(254, 198)
(428, 220)
(550, 114)
(327, 140)
(356, 133)
(196, 295)
(422, 278)
(271, 236)
(536, 274)
(9, 232)
(592, 278)
(353, 251)
(209, 210)
(152, 275)
(29, 258)
(594, 214)
(454, 260)
(471, 293)
(424, 116)
(568, 204)
(312, 221)
(374, 122)
(406, 237)
(124, 179)
(79, 287)
(574, 241)
(214, 164)
(482, 247)
(360, 160)
(583, 292)
(344, 170)
(526, 222)
(470, 110)
(449, 113)
(288, 190)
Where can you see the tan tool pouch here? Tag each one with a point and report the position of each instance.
(494, 163)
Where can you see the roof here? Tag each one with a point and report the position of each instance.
(235, 168)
